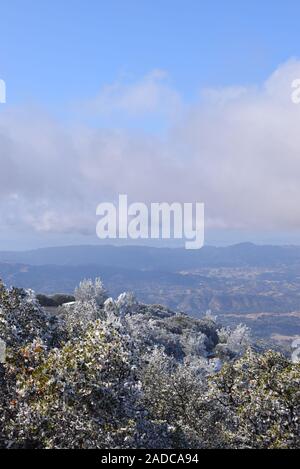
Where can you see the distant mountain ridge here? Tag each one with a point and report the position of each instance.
(150, 258)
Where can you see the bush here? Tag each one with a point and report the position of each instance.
(105, 373)
(54, 300)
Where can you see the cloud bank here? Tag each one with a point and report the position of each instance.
(236, 149)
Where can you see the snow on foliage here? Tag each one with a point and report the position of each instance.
(91, 291)
(114, 373)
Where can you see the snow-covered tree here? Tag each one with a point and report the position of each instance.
(22, 320)
(177, 394)
(106, 373)
(260, 395)
(233, 342)
(126, 303)
(79, 315)
(90, 290)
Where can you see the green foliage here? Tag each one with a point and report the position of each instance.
(71, 397)
(261, 396)
(107, 373)
(54, 300)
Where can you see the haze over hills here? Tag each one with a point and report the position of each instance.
(150, 258)
(257, 285)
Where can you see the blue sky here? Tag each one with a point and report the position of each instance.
(134, 96)
(55, 51)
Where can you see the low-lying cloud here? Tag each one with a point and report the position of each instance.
(236, 149)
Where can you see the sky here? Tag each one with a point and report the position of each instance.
(161, 100)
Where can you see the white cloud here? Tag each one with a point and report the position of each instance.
(237, 150)
(151, 95)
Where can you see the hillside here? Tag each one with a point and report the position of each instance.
(257, 284)
(105, 372)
